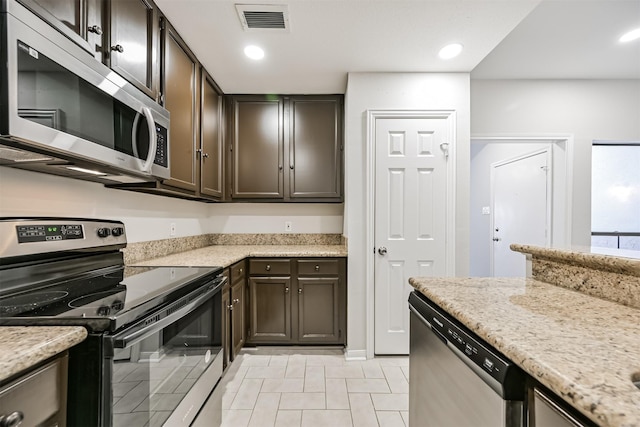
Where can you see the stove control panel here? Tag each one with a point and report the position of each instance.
(44, 236)
(48, 232)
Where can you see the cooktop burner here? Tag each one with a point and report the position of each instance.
(15, 305)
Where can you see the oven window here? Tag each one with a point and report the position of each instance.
(152, 377)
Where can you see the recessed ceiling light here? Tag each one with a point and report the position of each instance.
(630, 36)
(254, 52)
(450, 51)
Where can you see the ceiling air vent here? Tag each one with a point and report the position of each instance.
(263, 17)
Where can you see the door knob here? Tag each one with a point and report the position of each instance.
(382, 250)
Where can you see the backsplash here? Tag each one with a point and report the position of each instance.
(608, 277)
(140, 251)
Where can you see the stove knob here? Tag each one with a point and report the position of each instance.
(117, 231)
(103, 232)
(104, 310)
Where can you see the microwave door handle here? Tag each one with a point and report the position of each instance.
(153, 142)
(134, 135)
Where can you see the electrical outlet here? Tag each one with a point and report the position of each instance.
(172, 229)
(288, 226)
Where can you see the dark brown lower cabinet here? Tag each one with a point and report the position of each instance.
(237, 317)
(319, 310)
(307, 306)
(226, 323)
(270, 309)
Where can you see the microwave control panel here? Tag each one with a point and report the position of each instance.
(162, 157)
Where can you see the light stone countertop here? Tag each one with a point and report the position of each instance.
(226, 255)
(585, 349)
(26, 346)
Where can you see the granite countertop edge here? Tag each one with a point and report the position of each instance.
(31, 345)
(607, 262)
(549, 339)
(226, 255)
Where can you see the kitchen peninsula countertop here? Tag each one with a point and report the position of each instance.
(31, 345)
(226, 255)
(583, 348)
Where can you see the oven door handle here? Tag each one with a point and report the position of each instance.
(142, 330)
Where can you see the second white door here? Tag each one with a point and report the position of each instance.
(521, 209)
(410, 218)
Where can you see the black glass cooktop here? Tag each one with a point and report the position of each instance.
(101, 300)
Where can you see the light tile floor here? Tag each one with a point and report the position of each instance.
(314, 388)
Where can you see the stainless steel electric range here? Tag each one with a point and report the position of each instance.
(153, 354)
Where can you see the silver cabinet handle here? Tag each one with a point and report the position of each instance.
(95, 29)
(299, 290)
(317, 268)
(382, 250)
(236, 301)
(286, 290)
(268, 267)
(14, 419)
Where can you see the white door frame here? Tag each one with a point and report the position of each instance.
(561, 141)
(372, 117)
(549, 196)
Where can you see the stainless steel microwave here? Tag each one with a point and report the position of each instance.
(63, 112)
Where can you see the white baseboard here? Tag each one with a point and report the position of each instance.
(355, 354)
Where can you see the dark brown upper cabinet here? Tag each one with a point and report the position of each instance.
(133, 44)
(257, 147)
(83, 21)
(211, 154)
(315, 147)
(180, 94)
(286, 148)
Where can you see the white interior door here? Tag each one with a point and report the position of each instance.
(521, 209)
(410, 218)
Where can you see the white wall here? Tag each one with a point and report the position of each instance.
(587, 109)
(147, 217)
(270, 217)
(417, 91)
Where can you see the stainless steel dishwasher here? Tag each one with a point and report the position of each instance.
(455, 378)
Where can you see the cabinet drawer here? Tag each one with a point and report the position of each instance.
(269, 267)
(318, 267)
(237, 272)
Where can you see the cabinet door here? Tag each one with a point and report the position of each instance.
(237, 318)
(257, 148)
(270, 309)
(319, 310)
(226, 324)
(180, 99)
(211, 154)
(315, 147)
(134, 43)
(80, 20)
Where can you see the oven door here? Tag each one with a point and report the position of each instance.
(164, 368)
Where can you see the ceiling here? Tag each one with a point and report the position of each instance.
(329, 38)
